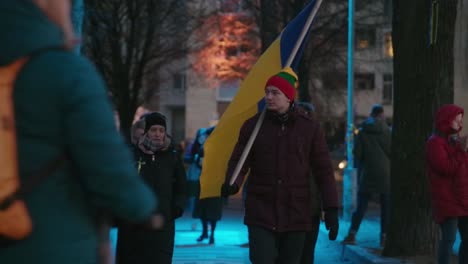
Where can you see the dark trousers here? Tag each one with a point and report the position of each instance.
(362, 203)
(308, 253)
(140, 245)
(449, 231)
(268, 247)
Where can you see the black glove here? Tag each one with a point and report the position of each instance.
(331, 222)
(227, 189)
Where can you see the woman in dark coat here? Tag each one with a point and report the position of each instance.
(162, 169)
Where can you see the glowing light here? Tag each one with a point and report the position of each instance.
(342, 164)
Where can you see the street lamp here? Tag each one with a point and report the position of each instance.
(349, 179)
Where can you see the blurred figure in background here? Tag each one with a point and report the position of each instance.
(137, 131)
(372, 154)
(209, 210)
(308, 253)
(63, 113)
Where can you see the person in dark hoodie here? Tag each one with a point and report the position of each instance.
(447, 167)
(62, 109)
(161, 167)
(372, 154)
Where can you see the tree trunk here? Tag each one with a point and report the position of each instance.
(269, 22)
(423, 80)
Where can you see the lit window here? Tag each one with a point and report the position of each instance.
(365, 38)
(388, 45)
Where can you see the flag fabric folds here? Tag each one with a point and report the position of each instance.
(247, 102)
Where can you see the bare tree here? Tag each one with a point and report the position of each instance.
(423, 81)
(130, 40)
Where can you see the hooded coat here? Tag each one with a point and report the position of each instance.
(447, 169)
(61, 106)
(372, 154)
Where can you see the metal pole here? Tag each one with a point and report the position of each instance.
(291, 57)
(349, 179)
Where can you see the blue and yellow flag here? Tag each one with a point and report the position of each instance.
(249, 100)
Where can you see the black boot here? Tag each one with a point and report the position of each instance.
(204, 234)
(213, 227)
(202, 237)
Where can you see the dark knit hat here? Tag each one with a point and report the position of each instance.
(286, 81)
(154, 118)
(376, 110)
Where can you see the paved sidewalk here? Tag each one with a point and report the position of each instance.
(231, 238)
(367, 248)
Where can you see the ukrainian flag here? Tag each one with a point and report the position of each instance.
(249, 101)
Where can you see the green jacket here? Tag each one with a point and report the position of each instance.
(372, 154)
(61, 106)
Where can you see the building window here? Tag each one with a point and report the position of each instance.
(387, 96)
(364, 81)
(365, 38)
(179, 80)
(388, 45)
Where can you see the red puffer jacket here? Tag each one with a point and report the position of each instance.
(447, 167)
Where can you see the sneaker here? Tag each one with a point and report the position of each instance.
(350, 239)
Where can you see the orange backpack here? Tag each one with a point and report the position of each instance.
(15, 222)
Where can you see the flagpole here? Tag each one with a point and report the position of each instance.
(291, 57)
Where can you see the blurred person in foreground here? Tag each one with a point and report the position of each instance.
(62, 110)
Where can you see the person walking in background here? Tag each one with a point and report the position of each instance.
(137, 131)
(372, 154)
(63, 113)
(161, 167)
(193, 180)
(447, 169)
(316, 204)
(289, 148)
(209, 210)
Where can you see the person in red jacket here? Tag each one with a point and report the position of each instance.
(290, 149)
(447, 167)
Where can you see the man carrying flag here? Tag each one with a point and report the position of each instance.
(289, 150)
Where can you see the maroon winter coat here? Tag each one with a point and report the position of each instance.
(280, 162)
(447, 168)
